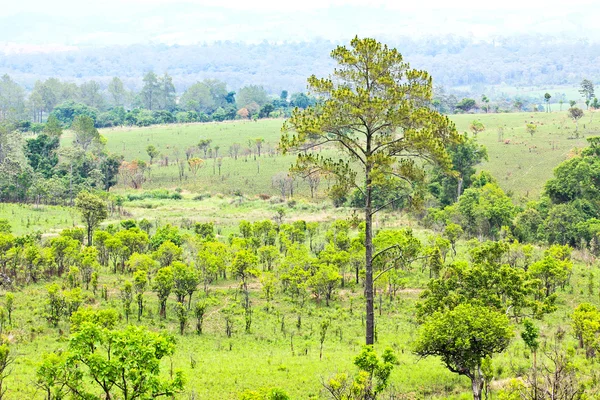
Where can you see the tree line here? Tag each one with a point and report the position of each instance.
(156, 103)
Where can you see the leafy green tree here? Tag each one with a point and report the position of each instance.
(302, 100)
(86, 133)
(486, 281)
(530, 336)
(182, 315)
(453, 232)
(167, 94)
(88, 264)
(10, 305)
(93, 211)
(485, 210)
(55, 304)
(476, 127)
(531, 129)
(185, 282)
(585, 322)
(324, 281)
(587, 90)
(6, 359)
(389, 94)
(448, 187)
(127, 298)
(152, 152)
(323, 328)
(90, 94)
(199, 312)
(243, 268)
(140, 282)
(462, 338)
(372, 378)
(547, 98)
(554, 269)
(167, 253)
(466, 105)
(576, 113)
(120, 364)
(117, 92)
(151, 91)
(162, 285)
(252, 94)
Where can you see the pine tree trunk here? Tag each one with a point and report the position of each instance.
(369, 259)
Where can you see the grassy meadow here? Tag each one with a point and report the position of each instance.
(520, 161)
(279, 352)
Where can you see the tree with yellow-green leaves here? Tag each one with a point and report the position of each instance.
(377, 111)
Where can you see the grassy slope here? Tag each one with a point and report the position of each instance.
(276, 354)
(223, 364)
(521, 166)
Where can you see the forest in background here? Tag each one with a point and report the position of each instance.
(457, 63)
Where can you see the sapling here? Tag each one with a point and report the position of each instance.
(322, 334)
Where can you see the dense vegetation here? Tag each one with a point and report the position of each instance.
(456, 285)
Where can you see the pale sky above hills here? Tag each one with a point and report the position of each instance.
(41, 25)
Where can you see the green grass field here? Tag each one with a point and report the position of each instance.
(521, 162)
(278, 353)
(26, 218)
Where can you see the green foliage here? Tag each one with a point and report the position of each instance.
(554, 269)
(530, 335)
(265, 394)
(476, 127)
(463, 337)
(120, 363)
(392, 121)
(488, 282)
(127, 298)
(162, 285)
(370, 381)
(465, 105)
(93, 212)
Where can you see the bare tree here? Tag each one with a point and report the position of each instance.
(234, 150)
(282, 181)
(313, 181)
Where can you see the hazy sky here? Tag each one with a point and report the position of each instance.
(27, 25)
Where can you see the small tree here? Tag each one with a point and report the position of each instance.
(152, 152)
(163, 284)
(199, 311)
(530, 336)
(463, 337)
(140, 282)
(6, 359)
(127, 298)
(182, 315)
(195, 164)
(453, 232)
(117, 364)
(322, 334)
(371, 380)
(243, 267)
(55, 304)
(93, 211)
(86, 133)
(547, 98)
(587, 90)
(576, 114)
(531, 129)
(10, 304)
(476, 127)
